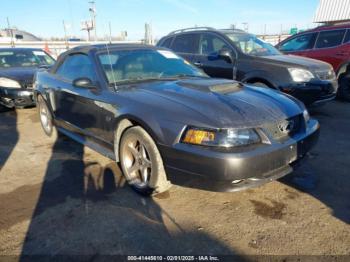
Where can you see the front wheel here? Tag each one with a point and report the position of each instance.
(344, 88)
(141, 162)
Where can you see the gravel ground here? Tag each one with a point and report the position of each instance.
(59, 198)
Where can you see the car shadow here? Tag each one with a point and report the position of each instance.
(85, 209)
(8, 140)
(325, 173)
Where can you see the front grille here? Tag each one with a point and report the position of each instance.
(285, 128)
(325, 74)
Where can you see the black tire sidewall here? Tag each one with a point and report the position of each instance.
(344, 88)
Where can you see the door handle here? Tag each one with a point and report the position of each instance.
(199, 64)
(341, 53)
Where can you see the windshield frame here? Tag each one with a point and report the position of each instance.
(270, 46)
(29, 50)
(140, 80)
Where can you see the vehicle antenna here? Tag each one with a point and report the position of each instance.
(110, 63)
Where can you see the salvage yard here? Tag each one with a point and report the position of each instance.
(57, 197)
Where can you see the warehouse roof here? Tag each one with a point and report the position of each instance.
(332, 11)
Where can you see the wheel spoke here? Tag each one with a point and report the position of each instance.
(143, 151)
(43, 111)
(144, 174)
(133, 168)
(147, 162)
(133, 151)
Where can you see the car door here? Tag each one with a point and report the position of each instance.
(299, 44)
(207, 57)
(185, 45)
(78, 109)
(330, 48)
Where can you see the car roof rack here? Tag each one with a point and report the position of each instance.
(233, 29)
(191, 29)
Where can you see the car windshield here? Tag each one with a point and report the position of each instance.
(24, 58)
(251, 45)
(140, 65)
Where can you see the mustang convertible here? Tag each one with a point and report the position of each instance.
(163, 118)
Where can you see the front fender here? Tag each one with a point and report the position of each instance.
(344, 67)
(260, 75)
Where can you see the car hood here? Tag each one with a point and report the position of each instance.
(293, 60)
(226, 103)
(19, 73)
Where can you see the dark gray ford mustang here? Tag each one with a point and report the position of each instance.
(163, 119)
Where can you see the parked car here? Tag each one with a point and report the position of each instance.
(235, 54)
(158, 115)
(327, 43)
(17, 69)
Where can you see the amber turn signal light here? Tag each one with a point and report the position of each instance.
(197, 137)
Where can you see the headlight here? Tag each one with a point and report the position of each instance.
(9, 83)
(300, 75)
(220, 138)
(306, 116)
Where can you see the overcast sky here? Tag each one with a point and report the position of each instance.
(44, 18)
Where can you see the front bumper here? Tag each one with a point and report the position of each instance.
(19, 97)
(313, 93)
(205, 168)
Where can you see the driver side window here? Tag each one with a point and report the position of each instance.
(299, 43)
(210, 44)
(76, 66)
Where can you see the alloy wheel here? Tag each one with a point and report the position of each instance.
(136, 161)
(45, 117)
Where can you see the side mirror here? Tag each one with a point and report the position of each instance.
(84, 82)
(226, 55)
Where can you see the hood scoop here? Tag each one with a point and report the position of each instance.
(212, 85)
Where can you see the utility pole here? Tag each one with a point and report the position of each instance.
(148, 34)
(11, 32)
(110, 32)
(65, 34)
(92, 10)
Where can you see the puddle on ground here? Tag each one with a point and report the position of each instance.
(272, 211)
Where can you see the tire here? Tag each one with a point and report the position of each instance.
(46, 119)
(4, 108)
(260, 84)
(344, 88)
(141, 162)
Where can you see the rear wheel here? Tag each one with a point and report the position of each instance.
(141, 162)
(3, 108)
(46, 118)
(344, 87)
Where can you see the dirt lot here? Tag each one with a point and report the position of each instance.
(57, 197)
